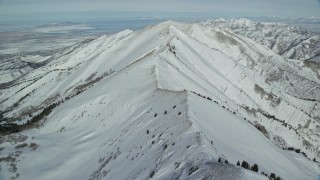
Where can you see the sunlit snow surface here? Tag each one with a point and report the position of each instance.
(139, 115)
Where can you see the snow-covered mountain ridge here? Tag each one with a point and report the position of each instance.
(166, 102)
(288, 41)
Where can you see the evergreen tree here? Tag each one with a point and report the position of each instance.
(245, 165)
(278, 178)
(255, 168)
(272, 176)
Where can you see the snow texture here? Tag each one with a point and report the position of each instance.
(165, 102)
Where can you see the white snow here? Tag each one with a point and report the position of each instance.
(285, 40)
(139, 117)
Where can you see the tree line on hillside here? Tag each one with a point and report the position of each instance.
(254, 168)
(14, 128)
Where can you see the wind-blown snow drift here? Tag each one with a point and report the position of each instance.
(165, 102)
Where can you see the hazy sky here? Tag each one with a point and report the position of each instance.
(227, 8)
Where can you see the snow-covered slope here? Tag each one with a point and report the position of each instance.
(166, 102)
(288, 41)
(16, 65)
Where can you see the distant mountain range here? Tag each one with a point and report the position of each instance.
(288, 41)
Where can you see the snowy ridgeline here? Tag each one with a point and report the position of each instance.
(288, 41)
(172, 101)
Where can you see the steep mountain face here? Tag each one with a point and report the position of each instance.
(288, 41)
(172, 101)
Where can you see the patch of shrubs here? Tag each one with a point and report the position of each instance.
(193, 169)
(165, 147)
(33, 146)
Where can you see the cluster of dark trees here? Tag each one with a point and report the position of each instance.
(172, 49)
(299, 151)
(225, 161)
(254, 168)
(9, 128)
(210, 99)
(205, 97)
(246, 165)
(276, 119)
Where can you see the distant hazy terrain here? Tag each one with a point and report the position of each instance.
(17, 37)
(45, 37)
(25, 46)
